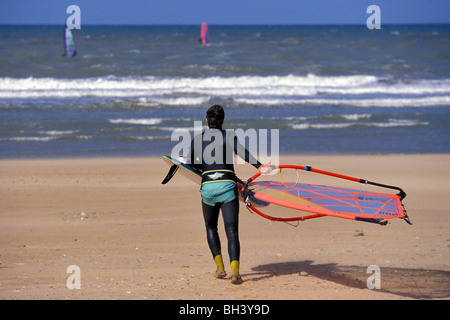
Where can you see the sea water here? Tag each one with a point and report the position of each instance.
(327, 89)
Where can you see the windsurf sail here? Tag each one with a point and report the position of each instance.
(288, 198)
(204, 34)
(322, 200)
(69, 44)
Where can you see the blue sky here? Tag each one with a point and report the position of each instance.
(116, 12)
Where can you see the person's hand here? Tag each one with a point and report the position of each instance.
(266, 169)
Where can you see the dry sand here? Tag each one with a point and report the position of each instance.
(134, 238)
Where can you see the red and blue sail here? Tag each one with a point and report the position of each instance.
(310, 201)
(323, 200)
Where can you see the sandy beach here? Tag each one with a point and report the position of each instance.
(133, 238)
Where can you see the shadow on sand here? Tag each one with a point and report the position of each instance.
(412, 283)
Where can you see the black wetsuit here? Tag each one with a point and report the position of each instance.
(213, 151)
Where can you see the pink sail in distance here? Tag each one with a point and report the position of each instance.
(204, 34)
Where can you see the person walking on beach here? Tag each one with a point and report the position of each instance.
(212, 152)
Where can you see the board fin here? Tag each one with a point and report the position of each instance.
(173, 169)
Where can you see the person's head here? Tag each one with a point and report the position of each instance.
(215, 116)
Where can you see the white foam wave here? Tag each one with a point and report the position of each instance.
(145, 122)
(150, 138)
(356, 116)
(181, 129)
(24, 139)
(288, 89)
(376, 102)
(390, 123)
(176, 101)
(57, 132)
(52, 137)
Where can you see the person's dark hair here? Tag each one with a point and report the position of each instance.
(215, 116)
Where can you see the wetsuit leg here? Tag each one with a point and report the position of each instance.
(230, 213)
(211, 216)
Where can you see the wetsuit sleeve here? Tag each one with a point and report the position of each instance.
(242, 152)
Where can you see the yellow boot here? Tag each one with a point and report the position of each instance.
(220, 271)
(235, 276)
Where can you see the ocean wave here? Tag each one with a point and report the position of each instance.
(146, 122)
(355, 116)
(58, 132)
(170, 101)
(46, 138)
(364, 103)
(143, 138)
(28, 139)
(342, 125)
(174, 91)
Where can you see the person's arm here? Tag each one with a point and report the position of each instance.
(242, 152)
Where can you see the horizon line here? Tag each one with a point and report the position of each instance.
(227, 25)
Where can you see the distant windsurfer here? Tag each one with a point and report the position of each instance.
(204, 34)
(219, 190)
(69, 45)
